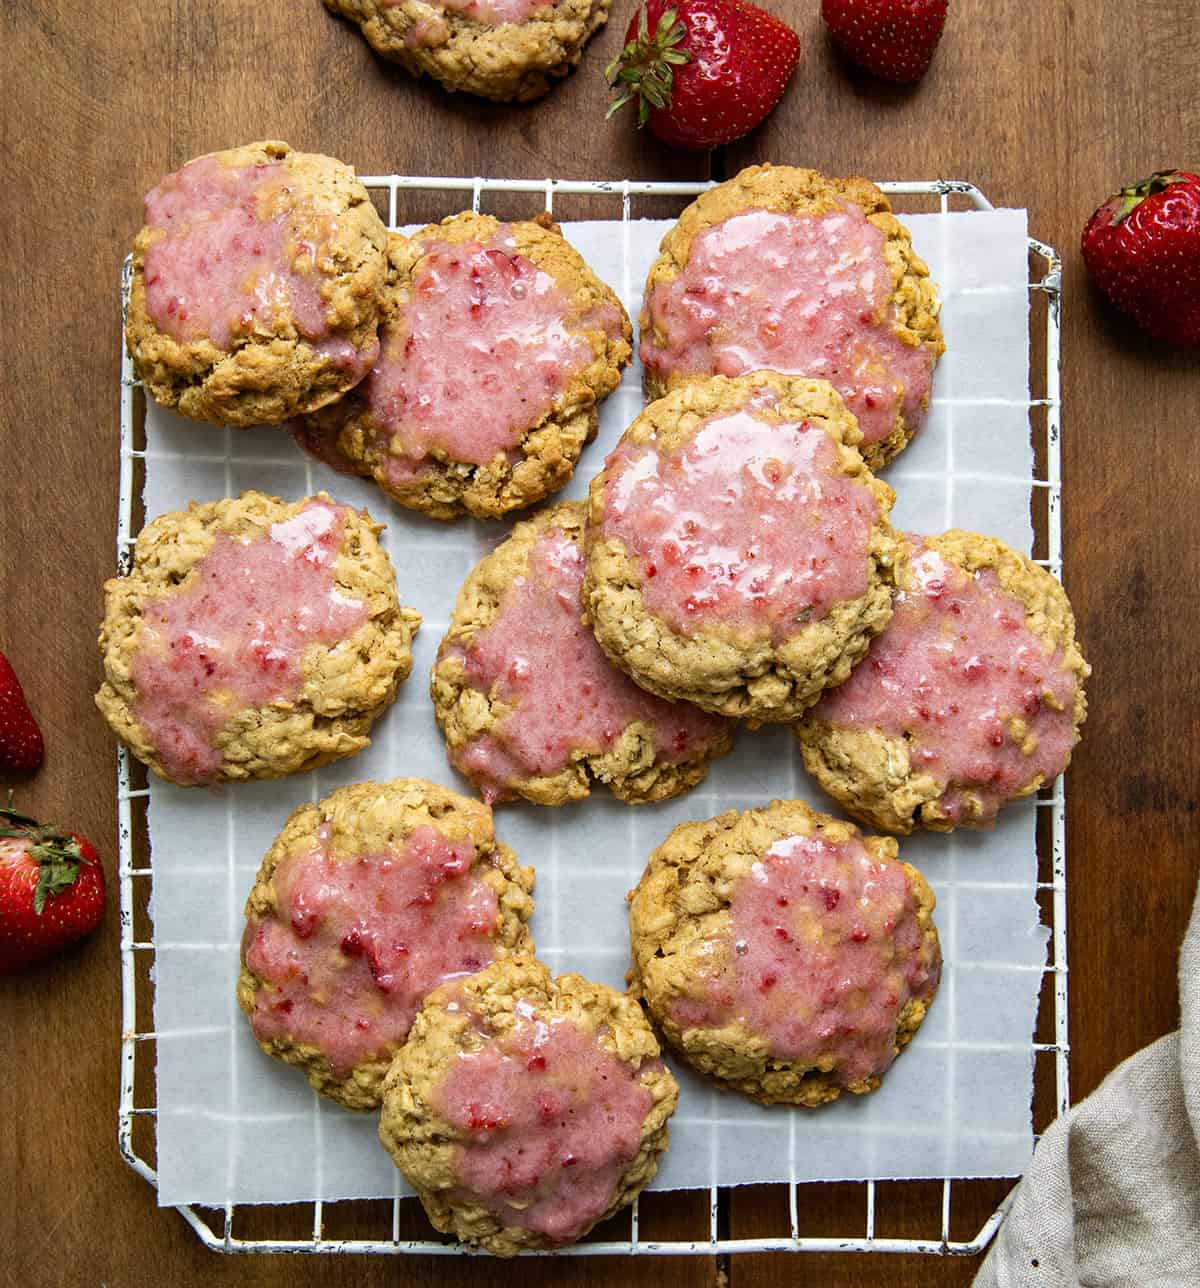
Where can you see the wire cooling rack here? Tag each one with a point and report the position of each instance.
(387, 1226)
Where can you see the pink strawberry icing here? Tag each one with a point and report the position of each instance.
(489, 13)
(751, 523)
(495, 12)
(986, 705)
(320, 440)
(234, 635)
(824, 953)
(427, 31)
(802, 295)
(539, 659)
(478, 358)
(238, 256)
(550, 1119)
(358, 941)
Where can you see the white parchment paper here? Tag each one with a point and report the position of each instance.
(235, 1126)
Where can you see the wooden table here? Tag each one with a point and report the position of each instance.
(1047, 106)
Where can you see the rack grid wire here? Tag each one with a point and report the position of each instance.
(215, 1226)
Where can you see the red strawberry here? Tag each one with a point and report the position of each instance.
(894, 39)
(21, 745)
(51, 890)
(703, 72)
(1142, 247)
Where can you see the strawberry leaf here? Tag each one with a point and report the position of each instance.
(619, 102)
(58, 856)
(58, 874)
(1133, 196)
(643, 70)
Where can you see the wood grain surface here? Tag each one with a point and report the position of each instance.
(1047, 106)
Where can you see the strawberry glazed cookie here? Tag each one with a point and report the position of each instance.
(787, 270)
(524, 1109)
(972, 697)
(529, 704)
(500, 49)
(256, 283)
(739, 552)
(783, 953)
(498, 345)
(366, 902)
(252, 638)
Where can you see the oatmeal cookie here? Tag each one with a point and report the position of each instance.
(738, 550)
(783, 953)
(498, 345)
(524, 1109)
(366, 902)
(528, 703)
(504, 50)
(256, 285)
(252, 638)
(972, 697)
(785, 269)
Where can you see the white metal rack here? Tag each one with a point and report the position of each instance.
(216, 1227)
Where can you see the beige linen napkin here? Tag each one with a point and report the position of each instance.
(1113, 1193)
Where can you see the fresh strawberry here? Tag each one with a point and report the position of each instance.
(1142, 247)
(894, 39)
(51, 890)
(21, 745)
(703, 72)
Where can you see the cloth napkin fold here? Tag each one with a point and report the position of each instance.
(1113, 1193)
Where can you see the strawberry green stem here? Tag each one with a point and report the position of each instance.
(58, 856)
(1136, 193)
(645, 69)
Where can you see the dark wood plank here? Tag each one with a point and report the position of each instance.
(1043, 106)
